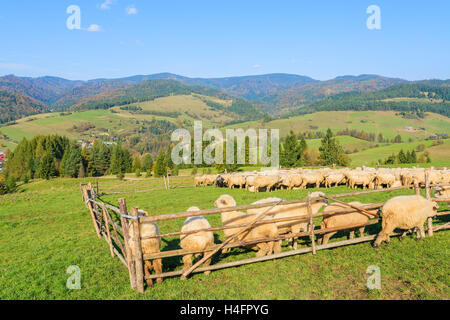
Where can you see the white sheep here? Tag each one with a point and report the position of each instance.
(290, 211)
(149, 246)
(405, 212)
(199, 241)
(343, 219)
(257, 232)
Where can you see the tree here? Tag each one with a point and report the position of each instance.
(413, 157)
(47, 167)
(88, 162)
(160, 168)
(101, 158)
(331, 152)
(147, 163)
(72, 161)
(402, 157)
(292, 151)
(137, 165)
(380, 138)
(311, 157)
(120, 160)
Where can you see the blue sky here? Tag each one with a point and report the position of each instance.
(320, 39)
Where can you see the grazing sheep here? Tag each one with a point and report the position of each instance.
(335, 178)
(405, 212)
(313, 178)
(295, 181)
(342, 220)
(257, 232)
(221, 182)
(442, 192)
(199, 241)
(149, 246)
(267, 182)
(363, 179)
(387, 179)
(289, 211)
(236, 181)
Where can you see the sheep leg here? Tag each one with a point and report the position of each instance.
(187, 261)
(157, 265)
(361, 232)
(294, 242)
(207, 263)
(403, 236)
(421, 232)
(147, 269)
(263, 248)
(352, 234)
(327, 237)
(277, 247)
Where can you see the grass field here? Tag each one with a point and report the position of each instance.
(192, 108)
(46, 228)
(385, 122)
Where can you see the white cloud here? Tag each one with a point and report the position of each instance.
(256, 66)
(131, 10)
(106, 5)
(94, 28)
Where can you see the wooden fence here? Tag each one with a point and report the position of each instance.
(167, 183)
(121, 244)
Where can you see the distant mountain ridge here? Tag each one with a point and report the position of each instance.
(275, 94)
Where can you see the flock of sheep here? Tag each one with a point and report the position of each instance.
(364, 177)
(403, 212)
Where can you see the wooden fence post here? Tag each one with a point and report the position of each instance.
(311, 223)
(108, 232)
(126, 237)
(91, 210)
(428, 195)
(138, 257)
(91, 194)
(416, 188)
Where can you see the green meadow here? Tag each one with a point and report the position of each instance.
(46, 228)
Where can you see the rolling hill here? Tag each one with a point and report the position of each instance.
(16, 105)
(427, 96)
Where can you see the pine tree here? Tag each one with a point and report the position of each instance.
(120, 160)
(413, 157)
(88, 162)
(147, 164)
(160, 168)
(331, 152)
(137, 165)
(101, 158)
(401, 157)
(47, 166)
(292, 151)
(72, 161)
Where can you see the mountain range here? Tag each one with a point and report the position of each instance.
(274, 94)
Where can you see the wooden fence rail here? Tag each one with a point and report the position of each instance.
(129, 251)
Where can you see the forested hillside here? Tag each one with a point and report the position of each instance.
(430, 96)
(154, 89)
(15, 105)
